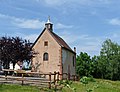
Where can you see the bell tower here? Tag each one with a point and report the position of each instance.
(49, 25)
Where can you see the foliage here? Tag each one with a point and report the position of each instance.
(14, 49)
(110, 56)
(85, 80)
(68, 84)
(83, 64)
(106, 65)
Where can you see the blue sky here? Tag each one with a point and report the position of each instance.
(81, 23)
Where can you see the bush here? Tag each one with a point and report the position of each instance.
(91, 79)
(85, 79)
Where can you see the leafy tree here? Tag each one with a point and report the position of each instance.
(110, 55)
(13, 49)
(107, 65)
(95, 66)
(6, 49)
(83, 64)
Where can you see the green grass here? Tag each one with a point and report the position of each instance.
(17, 88)
(98, 86)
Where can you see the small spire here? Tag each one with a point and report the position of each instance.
(48, 19)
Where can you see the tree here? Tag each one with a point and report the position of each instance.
(6, 49)
(105, 66)
(83, 64)
(109, 60)
(95, 66)
(13, 49)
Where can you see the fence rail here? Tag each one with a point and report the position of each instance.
(24, 77)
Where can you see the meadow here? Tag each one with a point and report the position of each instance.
(98, 86)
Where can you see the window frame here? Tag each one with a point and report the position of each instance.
(45, 43)
(45, 56)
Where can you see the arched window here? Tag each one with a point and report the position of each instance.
(45, 56)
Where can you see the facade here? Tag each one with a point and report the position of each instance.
(53, 53)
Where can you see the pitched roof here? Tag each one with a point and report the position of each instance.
(59, 40)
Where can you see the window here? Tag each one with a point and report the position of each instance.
(46, 43)
(73, 61)
(45, 57)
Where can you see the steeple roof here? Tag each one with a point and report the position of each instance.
(49, 25)
(48, 21)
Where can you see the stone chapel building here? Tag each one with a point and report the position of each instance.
(54, 54)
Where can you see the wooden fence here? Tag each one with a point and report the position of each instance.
(24, 77)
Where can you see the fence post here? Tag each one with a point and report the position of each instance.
(5, 75)
(54, 77)
(50, 80)
(73, 77)
(22, 79)
(68, 76)
(58, 76)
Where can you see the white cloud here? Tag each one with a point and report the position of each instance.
(24, 23)
(116, 35)
(31, 37)
(7, 17)
(29, 23)
(52, 2)
(114, 21)
(62, 26)
(83, 42)
(68, 2)
(90, 44)
(89, 48)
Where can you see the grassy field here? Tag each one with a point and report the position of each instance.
(98, 86)
(17, 88)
